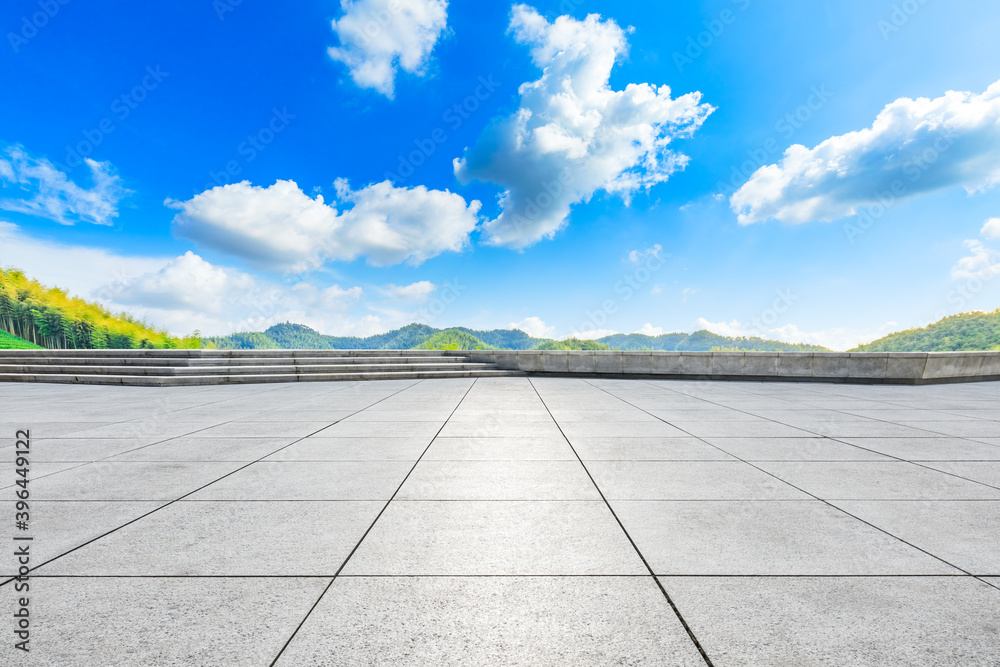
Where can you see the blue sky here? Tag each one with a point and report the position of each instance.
(357, 166)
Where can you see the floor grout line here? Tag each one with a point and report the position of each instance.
(370, 527)
(659, 584)
(182, 497)
(824, 501)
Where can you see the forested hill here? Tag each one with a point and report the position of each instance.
(962, 332)
(703, 341)
(298, 336)
(49, 317)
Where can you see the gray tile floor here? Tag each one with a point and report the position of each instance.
(508, 521)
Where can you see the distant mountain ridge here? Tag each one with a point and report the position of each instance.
(298, 336)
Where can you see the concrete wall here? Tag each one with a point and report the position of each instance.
(865, 367)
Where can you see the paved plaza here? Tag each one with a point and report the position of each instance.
(507, 521)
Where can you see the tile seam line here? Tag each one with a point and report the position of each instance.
(186, 435)
(514, 576)
(378, 516)
(656, 580)
(884, 421)
(811, 495)
(917, 462)
(175, 500)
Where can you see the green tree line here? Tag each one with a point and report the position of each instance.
(49, 317)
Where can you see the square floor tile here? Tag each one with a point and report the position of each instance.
(129, 480)
(310, 480)
(57, 526)
(496, 538)
(482, 621)
(984, 472)
(647, 449)
(963, 533)
(498, 480)
(873, 480)
(191, 538)
(843, 621)
(929, 449)
(551, 448)
(688, 480)
(195, 448)
(116, 622)
(793, 449)
(353, 449)
(765, 538)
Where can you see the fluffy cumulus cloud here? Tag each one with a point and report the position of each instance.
(534, 327)
(983, 261)
(418, 291)
(282, 227)
(79, 269)
(37, 187)
(187, 282)
(991, 230)
(377, 37)
(649, 330)
(573, 135)
(188, 293)
(914, 146)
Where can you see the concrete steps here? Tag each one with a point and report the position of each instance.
(162, 368)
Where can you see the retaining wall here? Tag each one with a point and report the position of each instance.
(857, 367)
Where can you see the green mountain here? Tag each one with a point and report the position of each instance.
(703, 341)
(962, 332)
(421, 336)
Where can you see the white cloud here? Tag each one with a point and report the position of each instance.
(534, 327)
(991, 230)
(379, 36)
(573, 135)
(839, 338)
(36, 187)
(419, 291)
(185, 293)
(649, 330)
(640, 256)
(592, 334)
(914, 146)
(187, 282)
(78, 269)
(281, 227)
(983, 262)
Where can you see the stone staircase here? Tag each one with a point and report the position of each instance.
(171, 368)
